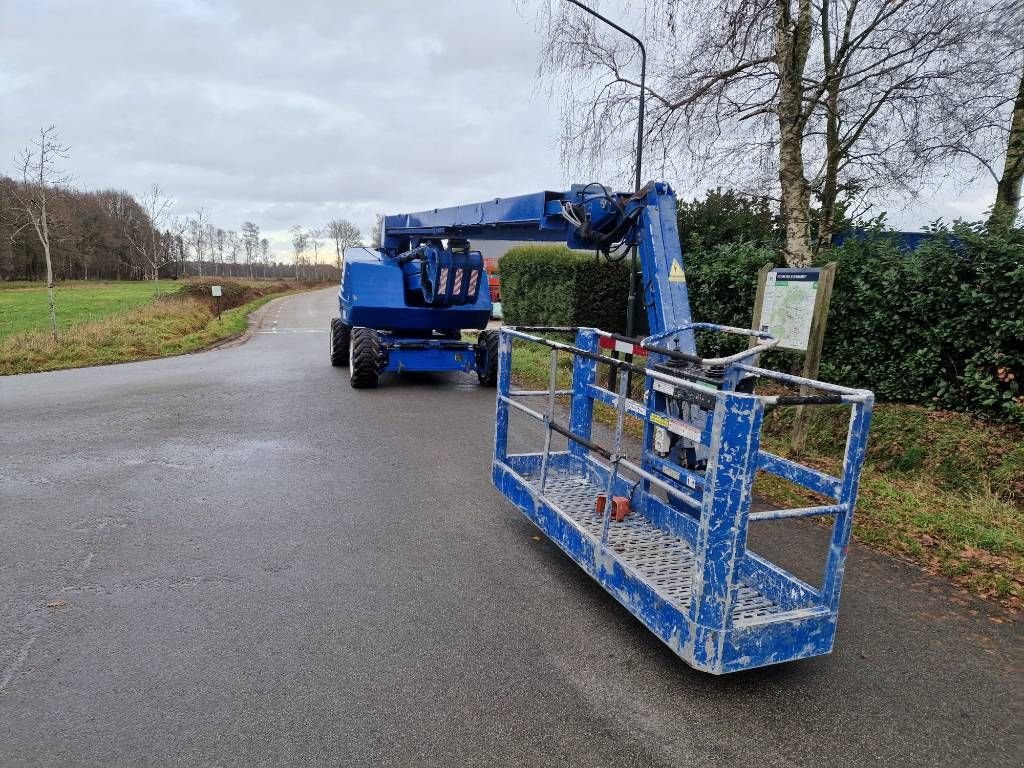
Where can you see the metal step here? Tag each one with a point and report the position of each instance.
(664, 560)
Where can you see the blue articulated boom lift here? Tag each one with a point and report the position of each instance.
(663, 527)
(404, 306)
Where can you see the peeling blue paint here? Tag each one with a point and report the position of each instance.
(679, 562)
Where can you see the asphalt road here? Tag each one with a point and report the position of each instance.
(254, 564)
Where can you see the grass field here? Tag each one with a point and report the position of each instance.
(23, 306)
(174, 323)
(940, 489)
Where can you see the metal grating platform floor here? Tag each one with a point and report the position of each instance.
(664, 560)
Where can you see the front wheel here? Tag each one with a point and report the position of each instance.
(487, 358)
(340, 337)
(364, 358)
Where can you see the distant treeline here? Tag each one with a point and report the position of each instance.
(91, 233)
(88, 236)
(275, 270)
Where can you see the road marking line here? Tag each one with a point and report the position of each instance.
(21, 658)
(294, 330)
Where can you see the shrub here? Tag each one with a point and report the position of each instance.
(725, 217)
(234, 293)
(722, 282)
(552, 285)
(942, 325)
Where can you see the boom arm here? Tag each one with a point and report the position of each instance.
(585, 217)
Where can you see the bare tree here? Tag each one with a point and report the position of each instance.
(181, 247)
(377, 233)
(1008, 188)
(198, 237)
(173, 245)
(831, 98)
(1006, 28)
(144, 235)
(41, 181)
(345, 234)
(792, 33)
(211, 247)
(218, 239)
(232, 246)
(316, 242)
(300, 244)
(250, 244)
(265, 256)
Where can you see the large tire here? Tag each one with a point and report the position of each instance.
(487, 358)
(341, 335)
(364, 358)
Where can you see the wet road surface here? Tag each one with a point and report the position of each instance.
(251, 563)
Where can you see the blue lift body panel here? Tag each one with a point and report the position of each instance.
(374, 294)
(679, 561)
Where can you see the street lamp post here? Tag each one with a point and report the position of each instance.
(631, 302)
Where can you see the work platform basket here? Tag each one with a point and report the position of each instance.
(666, 533)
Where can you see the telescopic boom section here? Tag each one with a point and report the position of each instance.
(587, 217)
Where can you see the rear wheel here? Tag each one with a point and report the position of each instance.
(364, 358)
(340, 337)
(487, 358)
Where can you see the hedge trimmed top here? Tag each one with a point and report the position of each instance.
(552, 285)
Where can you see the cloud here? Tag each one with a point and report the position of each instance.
(299, 112)
(285, 113)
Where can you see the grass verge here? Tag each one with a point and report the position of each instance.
(171, 325)
(939, 489)
(24, 308)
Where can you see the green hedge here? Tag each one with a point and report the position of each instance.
(552, 285)
(722, 282)
(942, 325)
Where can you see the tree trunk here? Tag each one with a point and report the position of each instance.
(1008, 191)
(44, 236)
(49, 292)
(792, 44)
(830, 185)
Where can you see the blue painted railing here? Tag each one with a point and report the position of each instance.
(680, 562)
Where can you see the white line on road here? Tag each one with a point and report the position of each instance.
(294, 330)
(21, 658)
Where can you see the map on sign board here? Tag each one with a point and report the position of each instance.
(788, 306)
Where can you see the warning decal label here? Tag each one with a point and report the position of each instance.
(676, 274)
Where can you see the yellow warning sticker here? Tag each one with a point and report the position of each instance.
(676, 274)
(662, 421)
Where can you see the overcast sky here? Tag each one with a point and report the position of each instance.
(297, 112)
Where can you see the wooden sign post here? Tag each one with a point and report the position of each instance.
(792, 304)
(216, 291)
